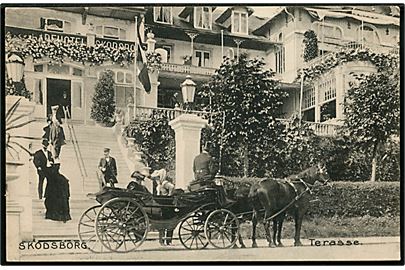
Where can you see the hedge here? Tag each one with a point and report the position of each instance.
(352, 199)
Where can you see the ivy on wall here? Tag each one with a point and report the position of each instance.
(311, 45)
(58, 50)
(381, 61)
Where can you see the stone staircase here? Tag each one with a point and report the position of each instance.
(91, 141)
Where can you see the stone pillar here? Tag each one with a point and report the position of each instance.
(130, 113)
(151, 98)
(187, 128)
(20, 188)
(340, 93)
(151, 42)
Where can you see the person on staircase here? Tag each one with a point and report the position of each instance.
(42, 161)
(108, 168)
(56, 134)
(57, 195)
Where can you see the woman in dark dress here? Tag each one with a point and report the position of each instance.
(57, 196)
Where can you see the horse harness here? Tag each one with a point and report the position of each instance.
(297, 197)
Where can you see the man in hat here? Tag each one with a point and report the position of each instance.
(204, 165)
(108, 168)
(42, 161)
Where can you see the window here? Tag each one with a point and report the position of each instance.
(111, 32)
(163, 15)
(299, 15)
(59, 69)
(56, 25)
(280, 60)
(203, 17)
(168, 48)
(387, 31)
(239, 22)
(202, 58)
(39, 68)
(124, 89)
(327, 88)
(328, 31)
(309, 98)
(77, 72)
(367, 34)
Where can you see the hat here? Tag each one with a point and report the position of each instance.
(138, 176)
(45, 142)
(106, 149)
(159, 173)
(55, 107)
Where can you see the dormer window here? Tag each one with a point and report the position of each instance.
(239, 22)
(203, 17)
(163, 15)
(56, 25)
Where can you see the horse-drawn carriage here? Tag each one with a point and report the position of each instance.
(122, 219)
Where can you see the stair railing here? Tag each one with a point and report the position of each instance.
(76, 147)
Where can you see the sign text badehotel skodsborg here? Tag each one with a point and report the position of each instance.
(69, 38)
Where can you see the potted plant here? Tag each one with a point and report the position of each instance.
(187, 59)
(153, 60)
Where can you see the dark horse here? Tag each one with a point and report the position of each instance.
(275, 194)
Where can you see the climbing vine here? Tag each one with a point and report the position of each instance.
(311, 45)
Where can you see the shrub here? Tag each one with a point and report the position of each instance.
(103, 107)
(352, 199)
(155, 139)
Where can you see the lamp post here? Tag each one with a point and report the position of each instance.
(15, 67)
(188, 91)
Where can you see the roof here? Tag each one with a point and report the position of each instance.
(337, 12)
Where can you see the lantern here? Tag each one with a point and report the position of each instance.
(15, 67)
(188, 90)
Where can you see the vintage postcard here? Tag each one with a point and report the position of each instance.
(202, 133)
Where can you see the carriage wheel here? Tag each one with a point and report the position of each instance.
(87, 232)
(122, 225)
(221, 228)
(191, 232)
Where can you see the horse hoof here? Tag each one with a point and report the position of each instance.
(280, 245)
(298, 244)
(254, 245)
(271, 245)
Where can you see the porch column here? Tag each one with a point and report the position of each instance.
(151, 98)
(340, 93)
(187, 128)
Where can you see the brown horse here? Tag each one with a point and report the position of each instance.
(291, 194)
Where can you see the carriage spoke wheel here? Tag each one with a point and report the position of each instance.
(121, 225)
(191, 232)
(221, 228)
(86, 230)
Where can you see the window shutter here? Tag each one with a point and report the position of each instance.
(42, 23)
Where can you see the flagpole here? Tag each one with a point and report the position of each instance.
(135, 63)
(222, 45)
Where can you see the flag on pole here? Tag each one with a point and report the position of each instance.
(142, 71)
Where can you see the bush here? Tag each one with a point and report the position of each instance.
(155, 139)
(352, 199)
(357, 199)
(103, 107)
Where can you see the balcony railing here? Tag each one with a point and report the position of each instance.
(352, 45)
(145, 113)
(187, 69)
(320, 129)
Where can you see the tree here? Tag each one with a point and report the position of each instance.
(155, 138)
(311, 45)
(372, 109)
(103, 107)
(244, 94)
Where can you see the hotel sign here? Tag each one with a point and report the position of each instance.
(68, 38)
